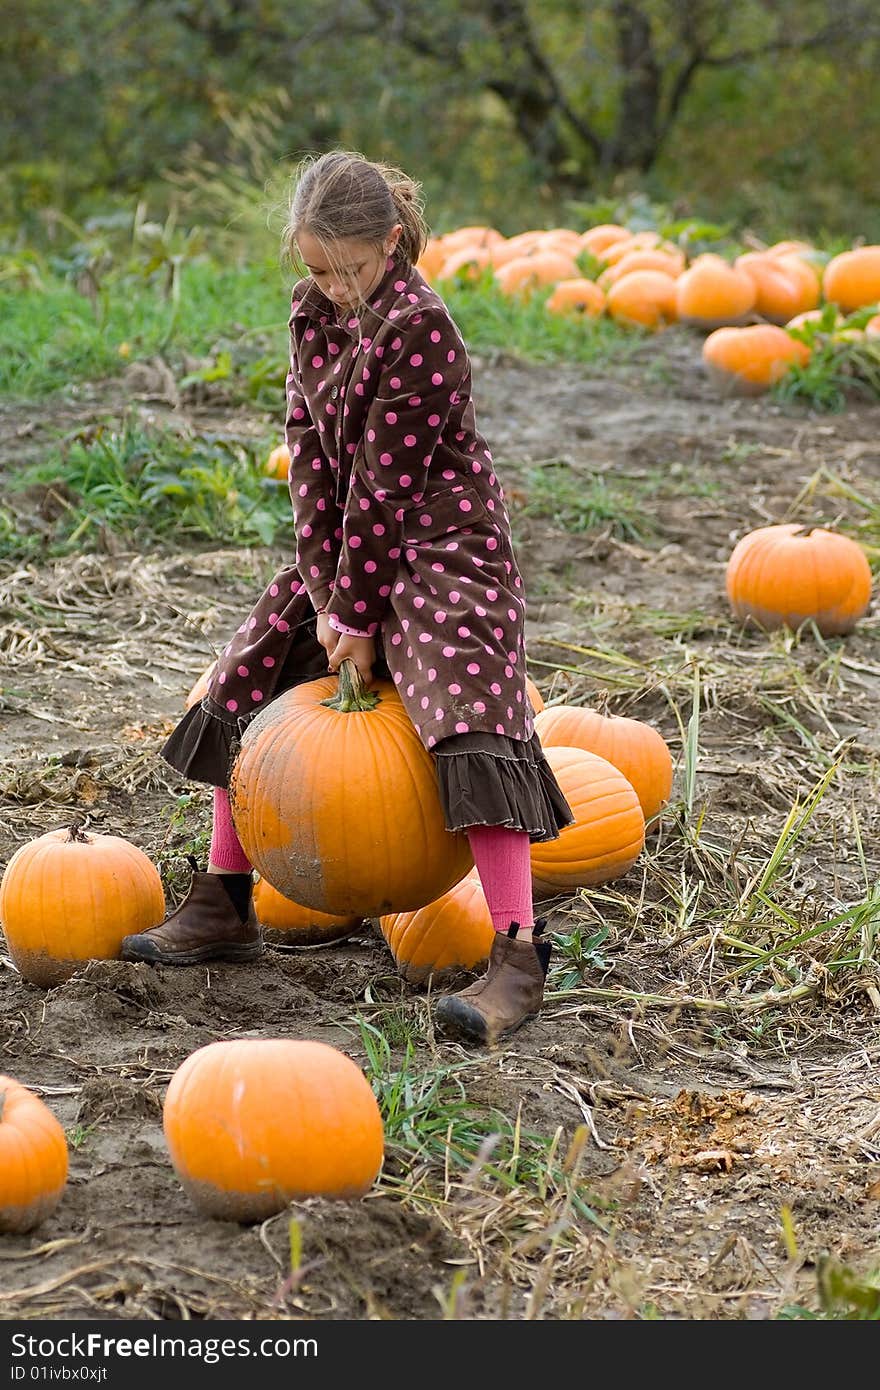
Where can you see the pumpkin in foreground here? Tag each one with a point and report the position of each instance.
(452, 934)
(784, 575)
(33, 1158)
(636, 749)
(608, 833)
(291, 924)
(252, 1124)
(71, 896)
(336, 802)
(748, 361)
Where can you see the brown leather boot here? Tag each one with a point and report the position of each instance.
(206, 926)
(508, 995)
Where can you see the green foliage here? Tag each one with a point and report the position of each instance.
(490, 319)
(578, 501)
(840, 369)
(844, 1295)
(57, 333)
(135, 488)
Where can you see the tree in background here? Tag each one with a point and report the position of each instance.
(505, 98)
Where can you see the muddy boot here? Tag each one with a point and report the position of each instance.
(508, 995)
(215, 921)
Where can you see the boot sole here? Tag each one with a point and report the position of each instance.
(457, 1017)
(229, 952)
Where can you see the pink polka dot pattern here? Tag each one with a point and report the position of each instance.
(401, 531)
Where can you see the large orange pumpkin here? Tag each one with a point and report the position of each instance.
(667, 262)
(712, 294)
(526, 273)
(291, 924)
(636, 241)
(452, 934)
(578, 297)
(748, 361)
(784, 285)
(852, 279)
(252, 1124)
(636, 749)
(33, 1158)
(71, 896)
(336, 803)
(781, 576)
(643, 297)
(466, 262)
(597, 239)
(608, 833)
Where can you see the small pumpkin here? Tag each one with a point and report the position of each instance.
(667, 262)
(444, 937)
(466, 262)
(748, 361)
(597, 239)
(608, 833)
(576, 297)
(636, 749)
(523, 244)
(252, 1124)
(527, 273)
(561, 239)
(479, 236)
(637, 241)
(277, 465)
(712, 294)
(71, 896)
(291, 924)
(783, 575)
(645, 298)
(335, 801)
(852, 279)
(872, 327)
(33, 1158)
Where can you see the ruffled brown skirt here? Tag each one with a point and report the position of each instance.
(483, 778)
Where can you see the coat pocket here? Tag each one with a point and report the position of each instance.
(441, 513)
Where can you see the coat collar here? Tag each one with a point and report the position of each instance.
(312, 303)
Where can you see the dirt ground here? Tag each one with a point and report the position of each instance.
(731, 1151)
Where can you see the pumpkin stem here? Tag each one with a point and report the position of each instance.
(75, 832)
(351, 695)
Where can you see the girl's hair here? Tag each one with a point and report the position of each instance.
(342, 194)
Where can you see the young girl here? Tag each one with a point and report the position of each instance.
(404, 565)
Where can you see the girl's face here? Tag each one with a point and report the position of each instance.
(352, 270)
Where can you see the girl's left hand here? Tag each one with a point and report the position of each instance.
(360, 650)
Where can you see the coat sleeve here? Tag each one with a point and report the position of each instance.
(317, 519)
(422, 370)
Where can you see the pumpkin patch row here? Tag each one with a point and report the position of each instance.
(647, 281)
(250, 1125)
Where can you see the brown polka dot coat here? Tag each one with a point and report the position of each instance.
(401, 526)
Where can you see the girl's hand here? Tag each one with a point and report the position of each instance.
(360, 650)
(326, 635)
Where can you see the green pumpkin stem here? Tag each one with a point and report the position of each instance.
(351, 695)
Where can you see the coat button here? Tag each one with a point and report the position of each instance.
(334, 391)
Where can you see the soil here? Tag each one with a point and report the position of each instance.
(730, 1153)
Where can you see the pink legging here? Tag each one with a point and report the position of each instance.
(500, 854)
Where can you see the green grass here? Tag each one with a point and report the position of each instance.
(522, 327)
(142, 487)
(55, 335)
(578, 501)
